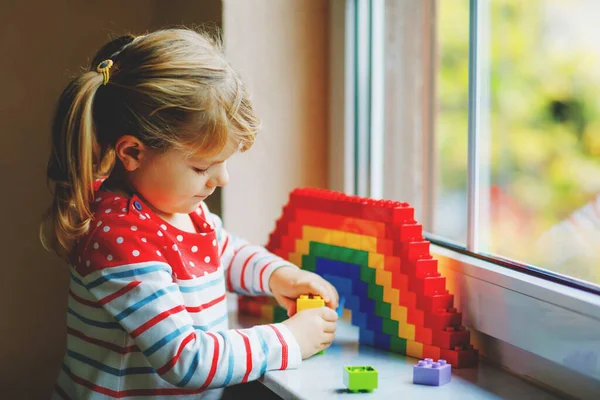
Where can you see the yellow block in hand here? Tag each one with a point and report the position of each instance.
(305, 302)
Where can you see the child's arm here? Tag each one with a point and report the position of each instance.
(136, 288)
(248, 267)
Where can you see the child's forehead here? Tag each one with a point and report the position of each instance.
(223, 155)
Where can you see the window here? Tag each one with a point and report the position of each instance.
(484, 115)
(522, 79)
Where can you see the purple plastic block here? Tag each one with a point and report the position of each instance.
(427, 372)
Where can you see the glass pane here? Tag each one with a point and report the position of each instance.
(544, 130)
(451, 120)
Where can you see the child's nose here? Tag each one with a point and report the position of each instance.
(221, 179)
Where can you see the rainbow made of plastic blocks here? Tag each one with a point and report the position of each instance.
(360, 378)
(374, 253)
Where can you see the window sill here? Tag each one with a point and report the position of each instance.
(539, 329)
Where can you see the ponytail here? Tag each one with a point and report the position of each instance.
(171, 89)
(75, 159)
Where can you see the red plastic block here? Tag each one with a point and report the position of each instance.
(408, 299)
(420, 266)
(461, 356)
(427, 284)
(439, 320)
(432, 352)
(424, 335)
(350, 206)
(408, 232)
(392, 264)
(414, 316)
(400, 282)
(385, 247)
(412, 251)
(451, 337)
(442, 299)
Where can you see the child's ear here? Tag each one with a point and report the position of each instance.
(130, 150)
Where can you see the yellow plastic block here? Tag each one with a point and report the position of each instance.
(391, 295)
(406, 331)
(302, 246)
(383, 278)
(376, 261)
(414, 349)
(295, 258)
(399, 313)
(335, 238)
(305, 302)
(368, 243)
(354, 241)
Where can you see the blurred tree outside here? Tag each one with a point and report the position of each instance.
(544, 120)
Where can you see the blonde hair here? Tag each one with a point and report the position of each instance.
(171, 89)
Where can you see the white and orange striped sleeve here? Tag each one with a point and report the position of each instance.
(132, 280)
(248, 267)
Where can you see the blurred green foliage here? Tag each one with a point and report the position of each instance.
(544, 119)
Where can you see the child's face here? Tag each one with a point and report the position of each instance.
(173, 183)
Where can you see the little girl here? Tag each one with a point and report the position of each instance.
(159, 116)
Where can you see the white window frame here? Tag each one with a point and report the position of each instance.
(541, 329)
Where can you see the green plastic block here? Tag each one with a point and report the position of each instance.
(397, 344)
(338, 253)
(390, 327)
(308, 263)
(360, 378)
(383, 309)
(279, 314)
(375, 292)
(367, 274)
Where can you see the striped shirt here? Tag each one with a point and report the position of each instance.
(147, 313)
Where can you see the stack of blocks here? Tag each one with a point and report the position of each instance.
(374, 253)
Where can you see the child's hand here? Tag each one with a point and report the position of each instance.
(289, 283)
(313, 329)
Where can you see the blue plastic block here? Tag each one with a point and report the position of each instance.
(361, 289)
(359, 319)
(366, 305)
(366, 336)
(331, 267)
(353, 303)
(340, 309)
(427, 372)
(374, 323)
(343, 285)
(382, 341)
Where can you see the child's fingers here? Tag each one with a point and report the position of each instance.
(328, 314)
(288, 304)
(320, 289)
(329, 294)
(292, 309)
(330, 327)
(335, 298)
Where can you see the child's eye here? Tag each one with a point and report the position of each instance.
(200, 171)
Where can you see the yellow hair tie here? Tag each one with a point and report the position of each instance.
(104, 68)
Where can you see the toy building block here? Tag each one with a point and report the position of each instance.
(360, 378)
(279, 314)
(427, 372)
(305, 302)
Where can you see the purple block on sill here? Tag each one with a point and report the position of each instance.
(427, 372)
